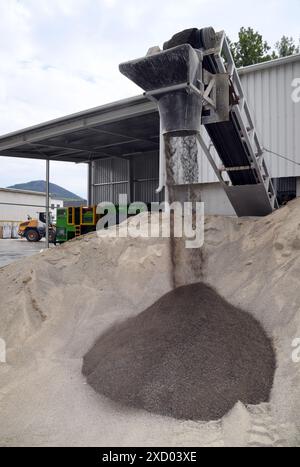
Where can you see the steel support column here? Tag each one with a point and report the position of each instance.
(90, 183)
(131, 181)
(47, 201)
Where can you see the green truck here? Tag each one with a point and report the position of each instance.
(72, 222)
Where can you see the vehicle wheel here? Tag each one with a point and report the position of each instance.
(32, 235)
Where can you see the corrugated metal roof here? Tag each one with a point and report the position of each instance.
(24, 192)
(122, 128)
(269, 64)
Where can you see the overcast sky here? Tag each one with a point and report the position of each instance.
(61, 56)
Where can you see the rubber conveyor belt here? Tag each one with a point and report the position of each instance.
(228, 143)
(232, 151)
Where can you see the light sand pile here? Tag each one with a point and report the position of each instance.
(54, 306)
(190, 355)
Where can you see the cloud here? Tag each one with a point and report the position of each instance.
(63, 56)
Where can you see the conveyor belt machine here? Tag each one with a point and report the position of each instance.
(196, 85)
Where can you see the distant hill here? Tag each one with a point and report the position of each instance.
(56, 191)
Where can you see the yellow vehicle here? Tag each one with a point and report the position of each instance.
(35, 229)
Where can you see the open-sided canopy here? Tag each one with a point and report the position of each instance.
(119, 129)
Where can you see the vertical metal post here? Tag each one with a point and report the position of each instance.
(89, 187)
(47, 201)
(93, 196)
(131, 180)
(111, 189)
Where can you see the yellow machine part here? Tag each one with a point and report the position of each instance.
(83, 210)
(32, 224)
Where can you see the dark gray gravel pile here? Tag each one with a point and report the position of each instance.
(191, 355)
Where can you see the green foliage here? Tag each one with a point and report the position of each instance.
(251, 48)
(286, 46)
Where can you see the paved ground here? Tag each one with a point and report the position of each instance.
(13, 250)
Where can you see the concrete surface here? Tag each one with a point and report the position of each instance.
(13, 250)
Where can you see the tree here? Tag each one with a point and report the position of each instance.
(286, 46)
(250, 48)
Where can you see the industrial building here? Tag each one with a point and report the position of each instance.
(120, 141)
(17, 205)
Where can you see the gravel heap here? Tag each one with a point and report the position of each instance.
(191, 355)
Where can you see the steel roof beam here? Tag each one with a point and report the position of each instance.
(127, 109)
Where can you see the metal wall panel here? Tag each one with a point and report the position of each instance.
(145, 172)
(276, 114)
(110, 179)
